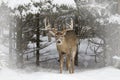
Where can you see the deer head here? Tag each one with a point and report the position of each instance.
(59, 35)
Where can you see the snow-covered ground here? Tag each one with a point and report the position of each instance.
(108, 73)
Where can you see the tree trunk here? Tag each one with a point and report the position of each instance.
(49, 37)
(119, 6)
(38, 40)
(76, 57)
(19, 45)
(76, 29)
(10, 45)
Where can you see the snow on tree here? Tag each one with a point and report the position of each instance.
(108, 30)
(5, 18)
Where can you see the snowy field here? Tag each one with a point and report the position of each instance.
(108, 73)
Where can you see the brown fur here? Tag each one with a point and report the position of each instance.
(68, 46)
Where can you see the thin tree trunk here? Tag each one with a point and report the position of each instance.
(76, 57)
(38, 40)
(10, 45)
(119, 6)
(77, 33)
(49, 37)
(19, 45)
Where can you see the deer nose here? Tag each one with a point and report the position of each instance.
(58, 42)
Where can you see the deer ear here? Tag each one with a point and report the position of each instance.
(53, 31)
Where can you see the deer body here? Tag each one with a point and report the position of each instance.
(66, 42)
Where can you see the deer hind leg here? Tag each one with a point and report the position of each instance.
(72, 65)
(61, 63)
(67, 62)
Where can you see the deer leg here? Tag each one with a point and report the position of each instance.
(61, 63)
(66, 62)
(69, 63)
(73, 65)
(73, 61)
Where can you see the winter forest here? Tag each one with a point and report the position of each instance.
(39, 39)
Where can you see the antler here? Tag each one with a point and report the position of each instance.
(47, 24)
(71, 24)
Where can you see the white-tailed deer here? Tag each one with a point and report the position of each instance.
(66, 42)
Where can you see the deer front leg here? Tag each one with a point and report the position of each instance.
(73, 61)
(69, 63)
(61, 63)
